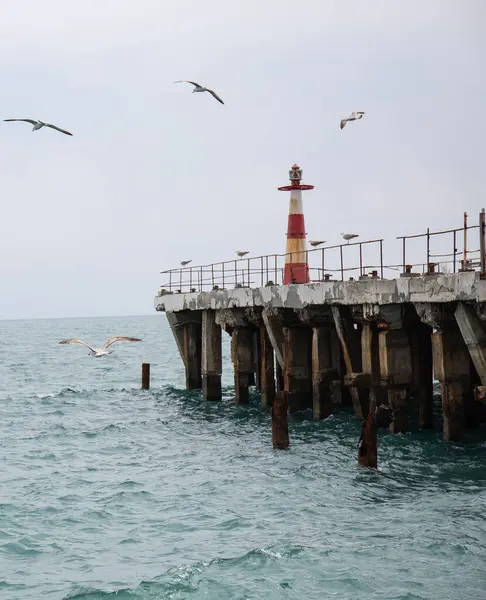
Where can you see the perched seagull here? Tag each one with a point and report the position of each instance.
(354, 116)
(242, 253)
(200, 88)
(39, 124)
(185, 262)
(97, 352)
(349, 236)
(315, 243)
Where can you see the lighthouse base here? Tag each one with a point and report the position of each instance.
(296, 273)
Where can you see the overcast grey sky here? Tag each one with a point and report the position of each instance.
(155, 174)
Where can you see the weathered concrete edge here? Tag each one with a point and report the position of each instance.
(433, 288)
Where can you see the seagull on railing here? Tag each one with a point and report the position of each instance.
(354, 116)
(315, 243)
(242, 253)
(185, 262)
(39, 124)
(200, 88)
(349, 236)
(97, 352)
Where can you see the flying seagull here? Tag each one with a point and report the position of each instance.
(39, 124)
(200, 88)
(315, 243)
(354, 116)
(349, 236)
(242, 253)
(185, 262)
(97, 352)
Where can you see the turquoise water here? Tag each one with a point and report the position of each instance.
(108, 491)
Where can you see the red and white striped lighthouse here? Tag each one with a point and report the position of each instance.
(296, 269)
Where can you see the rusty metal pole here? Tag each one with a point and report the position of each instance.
(482, 250)
(342, 269)
(464, 254)
(145, 376)
(280, 421)
(381, 258)
(428, 249)
(367, 445)
(403, 255)
(454, 253)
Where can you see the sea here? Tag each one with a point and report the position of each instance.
(108, 491)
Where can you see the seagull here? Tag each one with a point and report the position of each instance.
(185, 262)
(242, 253)
(97, 352)
(315, 243)
(39, 124)
(354, 116)
(349, 236)
(200, 88)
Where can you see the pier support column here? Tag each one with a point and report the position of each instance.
(186, 329)
(192, 355)
(474, 336)
(351, 349)
(267, 371)
(298, 367)
(396, 370)
(211, 356)
(242, 354)
(421, 345)
(370, 359)
(321, 372)
(451, 368)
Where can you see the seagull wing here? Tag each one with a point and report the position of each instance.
(215, 96)
(76, 341)
(186, 81)
(343, 123)
(57, 128)
(31, 121)
(120, 338)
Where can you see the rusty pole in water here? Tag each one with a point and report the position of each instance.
(145, 376)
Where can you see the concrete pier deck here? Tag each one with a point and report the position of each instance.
(336, 343)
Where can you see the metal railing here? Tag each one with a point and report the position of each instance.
(470, 258)
(330, 261)
(269, 269)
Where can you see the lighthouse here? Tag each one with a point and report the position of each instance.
(296, 269)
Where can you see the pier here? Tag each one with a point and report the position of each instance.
(330, 334)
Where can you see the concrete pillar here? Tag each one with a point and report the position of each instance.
(298, 367)
(242, 355)
(370, 360)
(273, 323)
(211, 356)
(421, 347)
(396, 369)
(186, 328)
(192, 355)
(341, 395)
(451, 368)
(474, 335)
(267, 371)
(321, 372)
(349, 338)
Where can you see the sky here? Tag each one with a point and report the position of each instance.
(155, 174)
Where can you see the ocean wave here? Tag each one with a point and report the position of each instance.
(199, 576)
